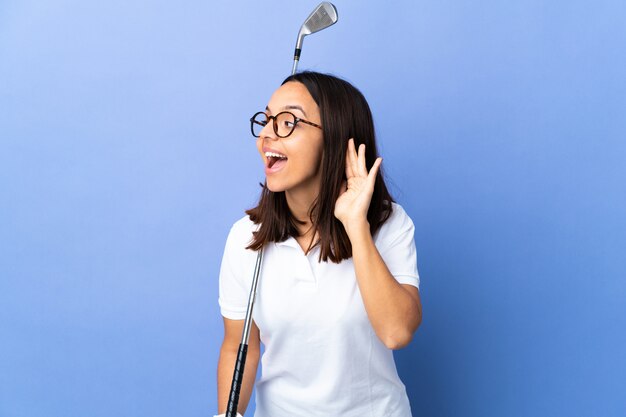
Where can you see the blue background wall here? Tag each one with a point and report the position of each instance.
(125, 156)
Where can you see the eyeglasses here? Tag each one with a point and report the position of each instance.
(284, 123)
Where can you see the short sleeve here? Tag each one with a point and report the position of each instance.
(396, 245)
(234, 280)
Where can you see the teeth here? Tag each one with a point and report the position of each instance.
(275, 155)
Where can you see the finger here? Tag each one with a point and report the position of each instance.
(361, 161)
(371, 177)
(353, 158)
(349, 172)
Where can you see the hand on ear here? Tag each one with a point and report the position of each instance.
(353, 203)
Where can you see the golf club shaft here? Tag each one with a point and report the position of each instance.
(235, 387)
(296, 59)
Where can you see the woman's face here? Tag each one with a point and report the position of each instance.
(300, 171)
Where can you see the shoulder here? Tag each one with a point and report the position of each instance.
(398, 218)
(241, 232)
(244, 225)
(398, 223)
(398, 213)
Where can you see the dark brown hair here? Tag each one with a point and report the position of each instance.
(344, 114)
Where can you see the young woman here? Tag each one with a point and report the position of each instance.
(339, 285)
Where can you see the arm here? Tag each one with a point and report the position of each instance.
(226, 364)
(394, 309)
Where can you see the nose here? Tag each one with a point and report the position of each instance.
(268, 131)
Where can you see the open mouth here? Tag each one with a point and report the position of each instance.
(275, 158)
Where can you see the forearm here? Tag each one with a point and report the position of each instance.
(393, 311)
(225, 369)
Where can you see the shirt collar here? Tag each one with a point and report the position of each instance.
(291, 241)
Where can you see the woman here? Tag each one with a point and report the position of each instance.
(339, 284)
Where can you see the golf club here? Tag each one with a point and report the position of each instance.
(235, 387)
(323, 16)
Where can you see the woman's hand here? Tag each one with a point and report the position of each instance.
(353, 203)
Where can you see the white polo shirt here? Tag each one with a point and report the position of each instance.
(322, 357)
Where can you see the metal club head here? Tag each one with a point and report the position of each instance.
(322, 17)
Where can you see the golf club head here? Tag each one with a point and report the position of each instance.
(324, 15)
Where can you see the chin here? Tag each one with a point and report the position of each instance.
(274, 186)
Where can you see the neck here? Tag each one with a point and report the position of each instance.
(300, 202)
(300, 205)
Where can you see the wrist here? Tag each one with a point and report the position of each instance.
(357, 228)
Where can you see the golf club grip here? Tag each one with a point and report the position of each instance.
(235, 388)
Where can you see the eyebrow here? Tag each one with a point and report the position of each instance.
(290, 107)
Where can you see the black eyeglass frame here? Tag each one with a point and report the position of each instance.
(296, 120)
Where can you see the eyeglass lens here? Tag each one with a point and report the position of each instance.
(283, 123)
